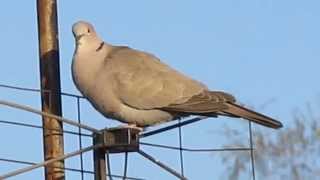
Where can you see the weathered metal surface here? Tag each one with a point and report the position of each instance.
(50, 81)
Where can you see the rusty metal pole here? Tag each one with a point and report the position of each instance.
(99, 158)
(50, 82)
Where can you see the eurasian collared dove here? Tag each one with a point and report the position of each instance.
(135, 87)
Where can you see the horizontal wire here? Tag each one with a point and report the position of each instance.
(38, 90)
(32, 163)
(173, 126)
(61, 119)
(44, 113)
(194, 150)
(47, 162)
(17, 161)
(41, 127)
(68, 169)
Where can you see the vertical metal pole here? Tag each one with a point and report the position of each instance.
(252, 151)
(50, 81)
(99, 158)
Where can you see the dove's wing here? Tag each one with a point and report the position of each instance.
(141, 81)
(212, 103)
(205, 103)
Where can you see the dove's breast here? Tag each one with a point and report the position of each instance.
(104, 98)
(97, 88)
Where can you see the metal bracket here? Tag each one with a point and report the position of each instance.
(119, 139)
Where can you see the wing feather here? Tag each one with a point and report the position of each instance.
(142, 81)
(203, 103)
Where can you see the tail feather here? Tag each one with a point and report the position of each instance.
(240, 111)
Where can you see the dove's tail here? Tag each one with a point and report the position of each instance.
(242, 112)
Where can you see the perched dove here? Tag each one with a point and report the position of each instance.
(135, 87)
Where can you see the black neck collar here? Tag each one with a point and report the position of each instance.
(100, 46)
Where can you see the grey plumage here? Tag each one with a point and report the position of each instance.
(135, 87)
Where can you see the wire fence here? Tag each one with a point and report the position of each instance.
(180, 148)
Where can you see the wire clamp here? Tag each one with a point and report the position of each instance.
(119, 139)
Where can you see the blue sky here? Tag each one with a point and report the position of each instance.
(257, 50)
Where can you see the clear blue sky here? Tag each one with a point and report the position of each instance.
(256, 49)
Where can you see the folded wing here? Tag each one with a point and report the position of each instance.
(213, 103)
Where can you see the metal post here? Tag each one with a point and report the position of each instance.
(99, 157)
(50, 82)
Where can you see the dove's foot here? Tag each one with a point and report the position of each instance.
(133, 126)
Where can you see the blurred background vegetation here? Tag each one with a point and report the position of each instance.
(291, 153)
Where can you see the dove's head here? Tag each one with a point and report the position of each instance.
(84, 32)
